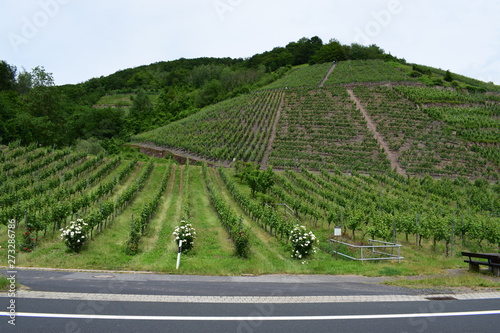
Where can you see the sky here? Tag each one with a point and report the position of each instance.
(77, 40)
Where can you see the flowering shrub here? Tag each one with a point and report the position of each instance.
(302, 242)
(241, 243)
(187, 234)
(75, 235)
(28, 242)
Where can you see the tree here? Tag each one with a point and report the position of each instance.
(333, 51)
(304, 49)
(41, 78)
(258, 180)
(7, 76)
(45, 104)
(448, 77)
(24, 82)
(210, 93)
(171, 102)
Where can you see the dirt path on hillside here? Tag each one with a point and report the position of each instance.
(330, 70)
(391, 155)
(265, 158)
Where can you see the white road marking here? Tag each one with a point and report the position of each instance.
(253, 318)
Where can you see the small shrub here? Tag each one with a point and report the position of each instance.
(187, 234)
(242, 244)
(302, 242)
(28, 242)
(75, 236)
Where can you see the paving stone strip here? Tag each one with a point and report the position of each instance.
(250, 299)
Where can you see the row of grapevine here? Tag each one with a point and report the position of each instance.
(24, 169)
(67, 201)
(186, 194)
(24, 188)
(235, 129)
(424, 95)
(367, 71)
(323, 128)
(423, 145)
(99, 216)
(265, 215)
(301, 76)
(383, 206)
(139, 224)
(230, 220)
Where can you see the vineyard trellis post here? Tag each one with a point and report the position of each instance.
(453, 234)
(416, 230)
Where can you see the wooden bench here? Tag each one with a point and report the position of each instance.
(492, 261)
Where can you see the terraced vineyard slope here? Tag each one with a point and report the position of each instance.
(399, 124)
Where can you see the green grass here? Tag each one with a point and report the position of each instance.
(462, 280)
(123, 100)
(4, 284)
(117, 99)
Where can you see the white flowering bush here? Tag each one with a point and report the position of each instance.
(75, 235)
(187, 234)
(302, 242)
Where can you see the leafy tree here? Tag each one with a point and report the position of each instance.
(41, 78)
(258, 180)
(8, 101)
(24, 82)
(7, 76)
(141, 112)
(171, 103)
(46, 106)
(333, 51)
(99, 123)
(448, 77)
(304, 49)
(210, 93)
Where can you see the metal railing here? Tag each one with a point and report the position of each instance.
(374, 249)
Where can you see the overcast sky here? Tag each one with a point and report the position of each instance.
(80, 39)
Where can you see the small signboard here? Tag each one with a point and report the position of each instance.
(337, 231)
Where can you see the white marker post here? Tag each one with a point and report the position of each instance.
(179, 255)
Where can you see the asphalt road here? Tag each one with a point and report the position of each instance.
(158, 284)
(96, 316)
(116, 302)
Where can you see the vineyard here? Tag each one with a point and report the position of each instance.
(132, 207)
(423, 130)
(423, 144)
(368, 71)
(322, 128)
(214, 134)
(303, 76)
(331, 150)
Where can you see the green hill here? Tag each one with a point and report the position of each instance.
(370, 116)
